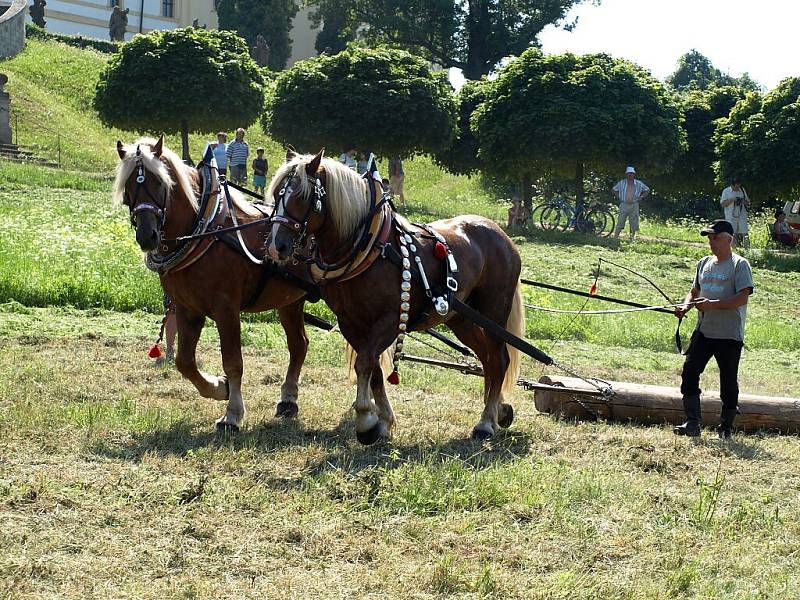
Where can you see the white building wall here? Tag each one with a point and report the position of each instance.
(89, 18)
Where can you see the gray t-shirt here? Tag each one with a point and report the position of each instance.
(718, 281)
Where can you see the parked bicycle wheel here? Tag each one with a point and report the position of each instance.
(594, 221)
(611, 221)
(550, 217)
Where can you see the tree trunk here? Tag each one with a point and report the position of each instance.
(478, 29)
(185, 142)
(526, 193)
(579, 195)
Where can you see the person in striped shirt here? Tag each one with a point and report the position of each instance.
(629, 192)
(237, 152)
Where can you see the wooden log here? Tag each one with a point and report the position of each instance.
(658, 404)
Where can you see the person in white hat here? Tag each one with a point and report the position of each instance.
(629, 191)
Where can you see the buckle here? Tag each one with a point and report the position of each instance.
(452, 284)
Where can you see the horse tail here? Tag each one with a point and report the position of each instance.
(386, 361)
(515, 325)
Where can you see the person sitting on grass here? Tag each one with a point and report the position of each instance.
(782, 232)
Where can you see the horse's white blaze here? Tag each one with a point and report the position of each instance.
(273, 250)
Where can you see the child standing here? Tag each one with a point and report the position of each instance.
(259, 171)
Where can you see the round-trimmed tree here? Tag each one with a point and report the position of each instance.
(692, 173)
(760, 141)
(559, 114)
(461, 156)
(179, 81)
(384, 100)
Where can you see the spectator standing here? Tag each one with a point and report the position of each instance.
(363, 162)
(259, 171)
(348, 158)
(237, 153)
(397, 176)
(629, 191)
(722, 286)
(220, 150)
(515, 212)
(734, 202)
(782, 232)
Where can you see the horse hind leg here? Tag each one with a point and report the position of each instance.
(495, 360)
(297, 342)
(189, 328)
(384, 407)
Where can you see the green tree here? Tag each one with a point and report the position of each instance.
(557, 115)
(461, 157)
(692, 173)
(270, 18)
(472, 35)
(760, 141)
(179, 81)
(383, 100)
(695, 72)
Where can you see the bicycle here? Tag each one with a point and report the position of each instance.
(559, 213)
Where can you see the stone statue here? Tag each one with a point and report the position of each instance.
(118, 24)
(37, 12)
(5, 108)
(260, 51)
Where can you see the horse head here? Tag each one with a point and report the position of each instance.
(146, 177)
(316, 196)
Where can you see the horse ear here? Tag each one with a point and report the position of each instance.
(120, 150)
(290, 152)
(313, 166)
(158, 147)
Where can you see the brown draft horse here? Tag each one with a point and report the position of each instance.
(212, 279)
(321, 197)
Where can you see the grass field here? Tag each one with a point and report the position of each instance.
(113, 484)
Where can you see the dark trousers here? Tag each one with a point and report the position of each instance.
(726, 353)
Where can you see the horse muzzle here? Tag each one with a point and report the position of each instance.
(147, 234)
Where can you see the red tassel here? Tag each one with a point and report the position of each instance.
(593, 289)
(394, 378)
(155, 351)
(440, 251)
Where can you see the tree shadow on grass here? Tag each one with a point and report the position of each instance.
(341, 451)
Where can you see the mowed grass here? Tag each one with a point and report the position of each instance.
(112, 484)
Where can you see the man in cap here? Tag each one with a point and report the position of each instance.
(722, 286)
(629, 192)
(735, 202)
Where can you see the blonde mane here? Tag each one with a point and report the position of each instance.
(169, 169)
(346, 200)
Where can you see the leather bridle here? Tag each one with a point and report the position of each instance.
(150, 203)
(298, 227)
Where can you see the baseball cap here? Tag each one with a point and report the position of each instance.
(718, 226)
(630, 170)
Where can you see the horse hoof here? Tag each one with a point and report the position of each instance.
(505, 416)
(481, 434)
(286, 410)
(223, 427)
(370, 436)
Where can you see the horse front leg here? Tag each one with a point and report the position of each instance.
(190, 325)
(229, 327)
(384, 407)
(297, 342)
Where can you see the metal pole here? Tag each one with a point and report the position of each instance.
(58, 145)
(141, 17)
(16, 129)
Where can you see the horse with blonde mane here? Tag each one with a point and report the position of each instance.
(214, 275)
(378, 299)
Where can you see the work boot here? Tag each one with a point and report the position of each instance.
(725, 428)
(691, 428)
